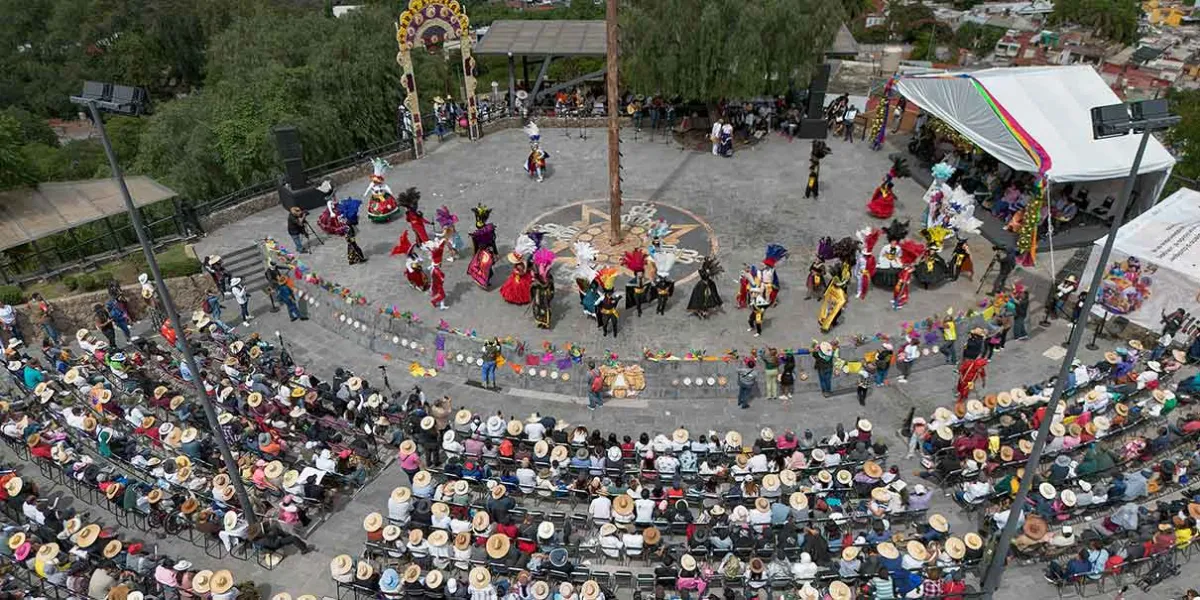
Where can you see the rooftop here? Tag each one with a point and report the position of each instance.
(543, 38)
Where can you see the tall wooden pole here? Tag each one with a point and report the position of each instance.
(614, 126)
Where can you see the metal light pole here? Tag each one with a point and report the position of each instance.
(995, 570)
(614, 123)
(231, 467)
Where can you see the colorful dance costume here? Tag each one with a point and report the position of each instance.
(484, 241)
(381, 205)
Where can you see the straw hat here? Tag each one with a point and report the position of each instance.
(770, 482)
(480, 578)
(733, 439)
(439, 538)
(427, 423)
(202, 581)
(401, 494)
(415, 535)
(824, 476)
(13, 486)
(515, 428)
(788, 477)
(939, 523)
(87, 536)
(412, 573)
(230, 519)
(545, 530)
(839, 591)
(540, 590)
(408, 447)
(881, 494)
(945, 433)
(762, 505)
(679, 436)
(254, 399)
(155, 496)
(223, 493)
(341, 564)
(622, 504)
(590, 590)
(887, 550)
(651, 536)
(1179, 356)
(1035, 527)
(973, 541)
(18, 538)
(688, 562)
(440, 509)
(373, 522)
(363, 571)
(498, 492)
(798, 500)
(480, 522)
(1067, 497)
(1136, 345)
(391, 533)
(1006, 453)
(844, 477)
(1057, 429)
(189, 506)
(222, 581)
(354, 383)
(980, 455)
(864, 425)
(559, 453)
(1112, 358)
(462, 417)
(1046, 489)
(422, 478)
(955, 548)
(112, 548)
(917, 550)
(872, 469)
(850, 552)
(48, 551)
(497, 545)
(766, 434)
(1025, 446)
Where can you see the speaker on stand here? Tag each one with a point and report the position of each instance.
(814, 126)
(294, 188)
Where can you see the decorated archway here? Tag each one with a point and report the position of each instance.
(431, 23)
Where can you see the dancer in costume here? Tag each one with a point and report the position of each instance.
(437, 280)
(410, 199)
(816, 278)
(903, 287)
(819, 150)
(404, 246)
(414, 273)
(659, 231)
(535, 163)
(770, 279)
(973, 365)
(705, 298)
(889, 264)
(331, 220)
(381, 205)
(608, 312)
(960, 260)
(516, 289)
(585, 277)
(883, 201)
(638, 291)
(354, 254)
(932, 269)
(449, 223)
(664, 287)
(484, 241)
(864, 262)
(746, 280)
(543, 287)
(834, 301)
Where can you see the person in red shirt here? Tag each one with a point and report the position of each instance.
(37, 448)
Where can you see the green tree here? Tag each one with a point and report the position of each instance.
(14, 166)
(1116, 20)
(33, 128)
(1184, 138)
(979, 39)
(712, 49)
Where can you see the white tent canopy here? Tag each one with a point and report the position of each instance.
(1051, 104)
(1166, 242)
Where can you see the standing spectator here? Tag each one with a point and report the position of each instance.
(119, 317)
(746, 380)
(104, 323)
(787, 379)
(911, 354)
(43, 314)
(949, 347)
(864, 385)
(288, 299)
(242, 296)
(771, 373)
(848, 123)
(595, 385)
(823, 363)
(8, 322)
(296, 227)
(1020, 312)
(212, 307)
(715, 135)
(117, 295)
(491, 356)
(883, 363)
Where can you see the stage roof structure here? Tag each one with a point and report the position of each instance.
(1005, 110)
(543, 38)
(29, 214)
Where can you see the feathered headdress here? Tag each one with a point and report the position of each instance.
(942, 171)
(409, 198)
(710, 266)
(936, 236)
(537, 237)
(524, 246)
(846, 250)
(379, 168)
(774, 254)
(869, 236)
(634, 260)
(663, 261)
(542, 259)
(660, 229)
(899, 169)
(482, 213)
(403, 245)
(532, 131)
(608, 277)
(445, 218)
(911, 251)
(348, 208)
(897, 230)
(585, 253)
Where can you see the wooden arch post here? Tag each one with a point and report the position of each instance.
(414, 27)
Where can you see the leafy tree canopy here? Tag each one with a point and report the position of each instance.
(1184, 138)
(1116, 20)
(712, 49)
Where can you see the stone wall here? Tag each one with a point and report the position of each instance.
(75, 312)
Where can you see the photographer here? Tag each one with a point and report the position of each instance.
(297, 226)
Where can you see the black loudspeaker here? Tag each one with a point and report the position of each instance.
(813, 129)
(816, 92)
(291, 152)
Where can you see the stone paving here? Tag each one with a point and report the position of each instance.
(750, 200)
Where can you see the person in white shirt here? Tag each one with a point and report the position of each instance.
(715, 136)
(758, 463)
(242, 296)
(806, 569)
(526, 477)
(610, 544)
(1150, 374)
(535, 431)
(633, 542)
(325, 461)
(239, 530)
(451, 445)
(643, 508)
(600, 510)
(974, 492)
(911, 353)
(666, 465)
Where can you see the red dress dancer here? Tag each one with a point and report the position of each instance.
(414, 273)
(403, 245)
(437, 280)
(517, 288)
(743, 294)
(910, 252)
(883, 201)
(972, 366)
(410, 200)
